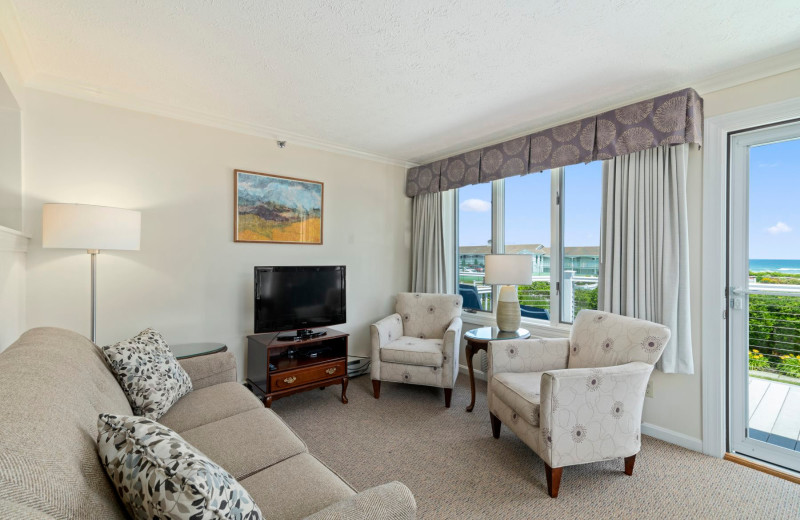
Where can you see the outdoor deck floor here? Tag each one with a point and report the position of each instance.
(775, 413)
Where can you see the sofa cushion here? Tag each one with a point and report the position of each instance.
(296, 488)
(407, 350)
(159, 475)
(148, 373)
(520, 391)
(247, 442)
(208, 405)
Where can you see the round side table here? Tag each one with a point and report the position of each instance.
(478, 339)
(190, 350)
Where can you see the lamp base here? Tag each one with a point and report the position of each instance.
(508, 311)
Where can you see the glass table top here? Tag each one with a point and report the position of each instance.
(492, 333)
(187, 350)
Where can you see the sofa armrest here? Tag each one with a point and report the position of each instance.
(209, 370)
(592, 414)
(392, 501)
(527, 355)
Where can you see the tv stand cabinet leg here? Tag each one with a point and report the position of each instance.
(345, 380)
(268, 401)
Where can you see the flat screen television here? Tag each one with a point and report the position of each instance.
(299, 298)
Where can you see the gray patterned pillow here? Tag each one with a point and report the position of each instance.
(157, 474)
(148, 373)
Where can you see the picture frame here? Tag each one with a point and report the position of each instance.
(274, 209)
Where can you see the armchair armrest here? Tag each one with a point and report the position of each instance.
(393, 500)
(451, 348)
(382, 332)
(209, 370)
(527, 355)
(592, 414)
(388, 329)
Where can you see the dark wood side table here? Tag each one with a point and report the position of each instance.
(477, 340)
(190, 350)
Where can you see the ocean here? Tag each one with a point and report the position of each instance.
(783, 266)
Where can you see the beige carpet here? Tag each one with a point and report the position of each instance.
(455, 469)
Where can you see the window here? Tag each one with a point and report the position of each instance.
(555, 217)
(581, 204)
(526, 227)
(474, 242)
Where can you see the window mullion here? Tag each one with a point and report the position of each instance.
(498, 227)
(556, 242)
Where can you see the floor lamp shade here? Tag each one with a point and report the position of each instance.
(508, 271)
(82, 226)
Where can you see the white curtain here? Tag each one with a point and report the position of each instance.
(429, 266)
(644, 257)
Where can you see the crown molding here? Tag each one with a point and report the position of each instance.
(11, 31)
(67, 88)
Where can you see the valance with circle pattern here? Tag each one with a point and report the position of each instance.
(675, 118)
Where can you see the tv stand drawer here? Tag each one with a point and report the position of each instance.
(303, 376)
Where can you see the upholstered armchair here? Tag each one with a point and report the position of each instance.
(577, 400)
(419, 343)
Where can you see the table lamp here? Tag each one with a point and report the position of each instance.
(508, 271)
(82, 226)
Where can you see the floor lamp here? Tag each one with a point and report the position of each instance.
(82, 226)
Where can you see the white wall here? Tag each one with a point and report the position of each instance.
(13, 248)
(190, 280)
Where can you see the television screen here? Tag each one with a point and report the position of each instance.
(299, 297)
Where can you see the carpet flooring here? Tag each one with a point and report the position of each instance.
(455, 469)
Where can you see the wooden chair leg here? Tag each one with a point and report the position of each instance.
(495, 425)
(376, 388)
(448, 394)
(629, 462)
(553, 480)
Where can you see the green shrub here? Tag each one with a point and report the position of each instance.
(757, 360)
(790, 365)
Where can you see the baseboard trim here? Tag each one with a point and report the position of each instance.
(479, 374)
(758, 466)
(673, 437)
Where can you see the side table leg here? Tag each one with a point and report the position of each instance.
(345, 380)
(469, 351)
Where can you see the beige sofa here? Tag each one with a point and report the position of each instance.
(53, 385)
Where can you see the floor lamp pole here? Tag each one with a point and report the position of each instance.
(93, 253)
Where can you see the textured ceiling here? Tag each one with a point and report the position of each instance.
(409, 80)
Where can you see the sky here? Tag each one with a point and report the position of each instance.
(775, 200)
(527, 219)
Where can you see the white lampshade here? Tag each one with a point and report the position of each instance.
(82, 226)
(508, 269)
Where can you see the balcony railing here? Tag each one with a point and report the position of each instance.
(581, 292)
(774, 334)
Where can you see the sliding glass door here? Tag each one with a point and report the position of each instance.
(764, 294)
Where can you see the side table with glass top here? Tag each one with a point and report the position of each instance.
(190, 350)
(477, 340)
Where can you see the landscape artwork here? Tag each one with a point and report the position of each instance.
(275, 209)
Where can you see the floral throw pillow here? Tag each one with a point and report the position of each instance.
(157, 474)
(148, 373)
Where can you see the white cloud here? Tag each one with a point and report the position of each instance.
(476, 205)
(780, 227)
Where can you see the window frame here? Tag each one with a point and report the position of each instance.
(555, 327)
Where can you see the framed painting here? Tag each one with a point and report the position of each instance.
(276, 210)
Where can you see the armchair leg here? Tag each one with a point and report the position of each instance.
(448, 393)
(553, 480)
(495, 425)
(376, 388)
(629, 462)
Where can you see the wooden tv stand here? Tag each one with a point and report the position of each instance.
(278, 368)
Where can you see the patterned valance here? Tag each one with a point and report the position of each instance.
(675, 118)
